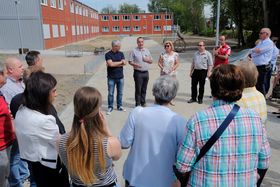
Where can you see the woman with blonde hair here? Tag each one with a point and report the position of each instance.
(89, 149)
(169, 60)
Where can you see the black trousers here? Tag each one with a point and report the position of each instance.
(141, 79)
(198, 76)
(46, 177)
(261, 83)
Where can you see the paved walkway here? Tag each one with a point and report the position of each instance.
(117, 119)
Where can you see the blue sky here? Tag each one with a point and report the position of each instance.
(99, 4)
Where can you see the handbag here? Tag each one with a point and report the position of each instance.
(184, 177)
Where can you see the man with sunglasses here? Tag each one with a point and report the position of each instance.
(261, 57)
(200, 69)
(222, 52)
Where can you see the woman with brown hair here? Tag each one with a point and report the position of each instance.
(89, 149)
(169, 60)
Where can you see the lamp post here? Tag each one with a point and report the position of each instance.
(19, 26)
(218, 23)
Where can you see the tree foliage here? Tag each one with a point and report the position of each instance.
(123, 9)
(129, 8)
(109, 10)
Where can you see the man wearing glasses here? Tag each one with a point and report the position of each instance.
(261, 57)
(200, 69)
(222, 52)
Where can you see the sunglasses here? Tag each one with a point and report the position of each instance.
(200, 45)
(166, 46)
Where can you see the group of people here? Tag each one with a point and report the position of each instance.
(162, 143)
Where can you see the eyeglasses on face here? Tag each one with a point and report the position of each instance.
(166, 46)
(262, 33)
(200, 45)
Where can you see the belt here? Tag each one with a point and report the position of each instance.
(140, 71)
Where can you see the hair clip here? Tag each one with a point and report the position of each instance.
(81, 120)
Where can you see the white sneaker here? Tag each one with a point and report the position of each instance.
(121, 109)
(109, 111)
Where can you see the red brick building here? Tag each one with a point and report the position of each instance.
(142, 23)
(67, 21)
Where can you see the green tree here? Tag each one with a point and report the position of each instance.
(108, 10)
(129, 8)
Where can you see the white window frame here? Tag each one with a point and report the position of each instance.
(136, 28)
(105, 29)
(62, 30)
(55, 31)
(167, 27)
(134, 17)
(78, 29)
(81, 11)
(157, 28)
(77, 9)
(105, 18)
(116, 28)
(60, 4)
(167, 17)
(157, 17)
(73, 30)
(46, 31)
(114, 18)
(72, 7)
(81, 30)
(126, 18)
(126, 28)
(44, 2)
(53, 3)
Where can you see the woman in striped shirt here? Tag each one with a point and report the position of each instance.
(88, 150)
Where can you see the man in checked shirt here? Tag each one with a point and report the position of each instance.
(240, 157)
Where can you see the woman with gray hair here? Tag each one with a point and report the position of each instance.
(153, 135)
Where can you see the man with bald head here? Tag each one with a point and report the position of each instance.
(222, 52)
(14, 84)
(261, 57)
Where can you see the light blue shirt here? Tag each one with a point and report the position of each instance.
(153, 134)
(12, 88)
(264, 57)
(275, 54)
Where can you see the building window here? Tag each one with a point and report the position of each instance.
(84, 12)
(167, 27)
(157, 28)
(105, 29)
(115, 18)
(73, 30)
(116, 29)
(46, 31)
(157, 17)
(105, 18)
(136, 28)
(126, 18)
(62, 30)
(78, 30)
(60, 4)
(53, 3)
(55, 31)
(72, 7)
(81, 29)
(44, 2)
(126, 28)
(136, 17)
(168, 17)
(81, 11)
(77, 9)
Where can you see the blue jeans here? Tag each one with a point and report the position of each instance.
(18, 168)
(111, 89)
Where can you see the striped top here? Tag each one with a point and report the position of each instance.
(103, 178)
(252, 98)
(233, 160)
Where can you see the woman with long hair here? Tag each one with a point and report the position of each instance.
(88, 150)
(37, 131)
